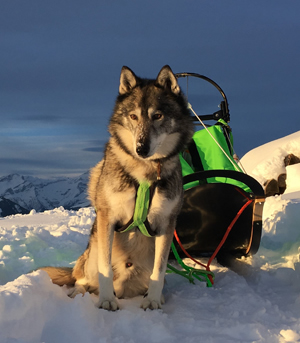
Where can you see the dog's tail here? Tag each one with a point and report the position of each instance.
(60, 276)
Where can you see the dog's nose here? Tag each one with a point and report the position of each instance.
(142, 150)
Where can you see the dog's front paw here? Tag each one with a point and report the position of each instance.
(77, 289)
(109, 305)
(152, 304)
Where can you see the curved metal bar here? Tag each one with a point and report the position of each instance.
(223, 105)
(178, 75)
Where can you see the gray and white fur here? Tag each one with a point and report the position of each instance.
(149, 126)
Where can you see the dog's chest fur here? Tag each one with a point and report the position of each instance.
(124, 173)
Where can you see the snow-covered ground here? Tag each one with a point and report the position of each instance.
(257, 301)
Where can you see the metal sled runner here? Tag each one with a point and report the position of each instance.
(222, 210)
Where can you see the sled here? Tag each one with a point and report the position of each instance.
(222, 209)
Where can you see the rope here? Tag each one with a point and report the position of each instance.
(189, 272)
(228, 231)
(202, 275)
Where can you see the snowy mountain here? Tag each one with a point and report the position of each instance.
(257, 300)
(8, 207)
(42, 194)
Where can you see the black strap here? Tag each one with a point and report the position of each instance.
(196, 160)
(226, 132)
(249, 181)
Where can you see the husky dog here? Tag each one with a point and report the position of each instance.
(150, 125)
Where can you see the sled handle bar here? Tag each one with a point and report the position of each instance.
(223, 113)
(249, 181)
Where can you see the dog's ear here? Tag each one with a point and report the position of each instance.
(128, 80)
(167, 79)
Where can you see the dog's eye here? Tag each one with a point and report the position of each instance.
(157, 116)
(133, 117)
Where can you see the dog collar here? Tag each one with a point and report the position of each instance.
(158, 171)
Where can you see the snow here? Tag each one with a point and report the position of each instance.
(293, 182)
(266, 161)
(257, 300)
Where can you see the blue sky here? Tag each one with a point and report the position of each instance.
(60, 63)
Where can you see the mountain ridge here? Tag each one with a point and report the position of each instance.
(39, 194)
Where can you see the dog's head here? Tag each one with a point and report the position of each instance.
(151, 120)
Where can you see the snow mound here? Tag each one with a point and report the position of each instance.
(55, 237)
(266, 162)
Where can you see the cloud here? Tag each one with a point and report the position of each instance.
(48, 155)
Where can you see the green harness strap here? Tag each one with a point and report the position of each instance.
(141, 209)
(189, 272)
(139, 219)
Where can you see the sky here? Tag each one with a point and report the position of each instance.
(60, 64)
